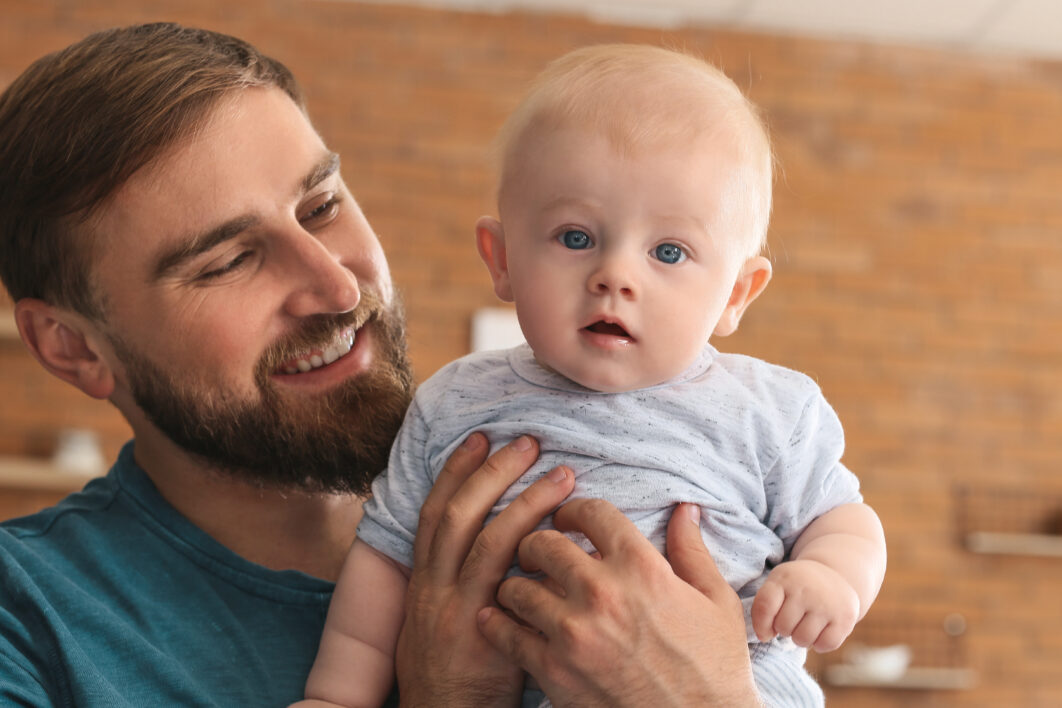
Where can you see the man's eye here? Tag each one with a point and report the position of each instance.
(323, 211)
(228, 267)
(669, 253)
(575, 239)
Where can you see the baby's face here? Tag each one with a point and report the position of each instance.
(621, 265)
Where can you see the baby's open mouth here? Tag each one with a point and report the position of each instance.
(312, 359)
(602, 327)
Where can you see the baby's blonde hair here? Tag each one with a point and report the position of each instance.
(641, 96)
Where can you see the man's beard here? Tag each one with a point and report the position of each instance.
(335, 442)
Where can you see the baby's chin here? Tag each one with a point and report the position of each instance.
(604, 382)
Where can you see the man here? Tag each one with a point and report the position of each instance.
(179, 241)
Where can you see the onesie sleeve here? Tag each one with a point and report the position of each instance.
(392, 513)
(808, 479)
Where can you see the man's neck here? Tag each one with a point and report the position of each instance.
(279, 530)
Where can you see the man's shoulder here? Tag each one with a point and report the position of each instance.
(97, 495)
(109, 598)
(55, 542)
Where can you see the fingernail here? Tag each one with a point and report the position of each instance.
(558, 474)
(471, 442)
(483, 615)
(695, 513)
(522, 444)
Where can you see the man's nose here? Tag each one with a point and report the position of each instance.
(323, 282)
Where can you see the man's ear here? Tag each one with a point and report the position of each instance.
(751, 281)
(64, 343)
(490, 240)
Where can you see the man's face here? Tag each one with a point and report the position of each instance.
(249, 305)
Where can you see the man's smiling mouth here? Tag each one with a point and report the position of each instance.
(312, 359)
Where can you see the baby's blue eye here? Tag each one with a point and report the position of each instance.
(575, 239)
(669, 253)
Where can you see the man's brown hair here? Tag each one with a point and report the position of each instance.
(79, 122)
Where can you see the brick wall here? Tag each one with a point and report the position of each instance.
(916, 242)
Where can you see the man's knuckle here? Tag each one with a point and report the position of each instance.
(492, 466)
(595, 507)
(572, 632)
(453, 516)
(486, 545)
(429, 513)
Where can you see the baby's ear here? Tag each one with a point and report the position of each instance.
(490, 240)
(65, 344)
(751, 281)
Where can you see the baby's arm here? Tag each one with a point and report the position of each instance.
(834, 573)
(355, 662)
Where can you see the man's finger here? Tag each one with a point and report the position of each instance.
(533, 604)
(467, 458)
(493, 550)
(688, 555)
(559, 558)
(522, 646)
(458, 519)
(602, 523)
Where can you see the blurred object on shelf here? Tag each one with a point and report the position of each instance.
(78, 452)
(906, 650)
(495, 328)
(869, 664)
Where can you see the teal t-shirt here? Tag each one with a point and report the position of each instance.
(112, 598)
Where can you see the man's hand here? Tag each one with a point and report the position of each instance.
(623, 628)
(807, 601)
(442, 660)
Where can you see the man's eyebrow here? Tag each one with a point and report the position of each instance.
(321, 171)
(172, 259)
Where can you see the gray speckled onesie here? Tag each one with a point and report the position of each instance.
(754, 444)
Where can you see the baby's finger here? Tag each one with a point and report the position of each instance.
(831, 637)
(807, 631)
(788, 617)
(764, 610)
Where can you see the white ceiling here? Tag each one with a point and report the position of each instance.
(1030, 27)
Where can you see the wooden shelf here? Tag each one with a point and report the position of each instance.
(41, 475)
(1015, 544)
(915, 678)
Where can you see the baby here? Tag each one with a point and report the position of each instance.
(634, 197)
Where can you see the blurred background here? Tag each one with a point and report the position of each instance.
(916, 239)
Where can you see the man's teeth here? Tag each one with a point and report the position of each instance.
(332, 352)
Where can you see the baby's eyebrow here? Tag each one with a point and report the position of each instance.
(566, 201)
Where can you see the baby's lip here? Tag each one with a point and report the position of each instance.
(609, 326)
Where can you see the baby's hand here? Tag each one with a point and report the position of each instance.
(807, 601)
